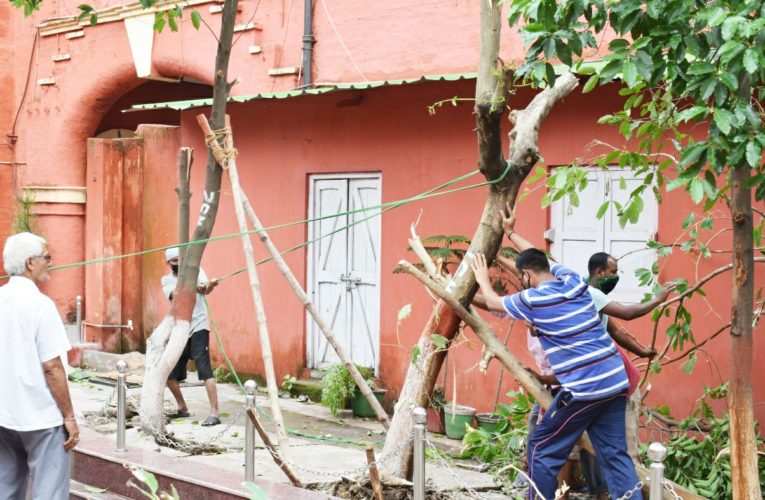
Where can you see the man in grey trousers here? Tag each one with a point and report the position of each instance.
(37, 424)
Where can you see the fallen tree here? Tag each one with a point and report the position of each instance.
(492, 87)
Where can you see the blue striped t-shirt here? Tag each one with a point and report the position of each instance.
(582, 354)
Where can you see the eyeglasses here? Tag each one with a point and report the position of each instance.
(46, 257)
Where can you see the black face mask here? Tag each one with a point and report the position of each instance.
(608, 283)
(174, 267)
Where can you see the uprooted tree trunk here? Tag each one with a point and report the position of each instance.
(491, 92)
(166, 343)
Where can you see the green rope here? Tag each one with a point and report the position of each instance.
(431, 193)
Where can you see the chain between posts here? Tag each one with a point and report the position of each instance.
(157, 434)
(470, 491)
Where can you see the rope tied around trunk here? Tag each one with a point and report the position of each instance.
(222, 155)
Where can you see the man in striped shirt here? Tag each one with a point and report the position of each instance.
(584, 359)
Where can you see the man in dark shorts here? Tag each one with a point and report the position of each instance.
(198, 345)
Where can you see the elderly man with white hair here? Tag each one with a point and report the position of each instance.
(37, 423)
(198, 345)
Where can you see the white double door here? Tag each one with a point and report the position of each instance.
(577, 233)
(344, 267)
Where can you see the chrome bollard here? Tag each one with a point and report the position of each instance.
(656, 453)
(249, 435)
(420, 416)
(121, 405)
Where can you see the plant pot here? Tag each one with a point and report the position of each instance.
(436, 420)
(360, 405)
(488, 421)
(456, 418)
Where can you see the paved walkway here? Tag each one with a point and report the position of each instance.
(326, 449)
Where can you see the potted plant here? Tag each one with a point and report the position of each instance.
(435, 411)
(340, 388)
(359, 403)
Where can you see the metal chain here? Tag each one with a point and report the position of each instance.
(350, 472)
(161, 436)
(671, 489)
(635, 489)
(103, 411)
(470, 491)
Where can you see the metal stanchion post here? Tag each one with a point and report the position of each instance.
(656, 453)
(121, 405)
(249, 436)
(419, 453)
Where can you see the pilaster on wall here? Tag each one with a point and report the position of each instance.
(160, 202)
(113, 226)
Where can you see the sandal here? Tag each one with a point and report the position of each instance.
(179, 414)
(210, 421)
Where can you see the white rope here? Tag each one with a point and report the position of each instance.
(348, 52)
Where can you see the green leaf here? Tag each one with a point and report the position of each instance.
(602, 210)
(688, 221)
(750, 61)
(696, 190)
(591, 83)
(256, 492)
(159, 22)
(94, 490)
(723, 119)
(196, 19)
(549, 74)
(753, 154)
(404, 312)
(716, 17)
(729, 81)
(146, 478)
(691, 113)
(692, 153)
(700, 68)
(629, 73)
(415, 353)
(439, 340)
(688, 365)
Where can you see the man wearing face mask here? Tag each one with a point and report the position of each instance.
(197, 347)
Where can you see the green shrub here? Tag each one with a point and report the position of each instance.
(339, 386)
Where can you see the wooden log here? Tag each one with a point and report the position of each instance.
(323, 325)
(257, 297)
(374, 476)
(270, 447)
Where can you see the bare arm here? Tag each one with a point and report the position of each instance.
(508, 226)
(626, 341)
(55, 375)
(632, 311)
(479, 301)
(491, 299)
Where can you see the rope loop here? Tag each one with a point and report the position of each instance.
(222, 155)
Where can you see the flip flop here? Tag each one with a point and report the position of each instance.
(179, 414)
(210, 421)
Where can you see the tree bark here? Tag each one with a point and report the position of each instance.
(185, 159)
(323, 326)
(743, 454)
(165, 345)
(491, 92)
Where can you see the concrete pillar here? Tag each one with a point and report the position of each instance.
(108, 162)
(160, 212)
